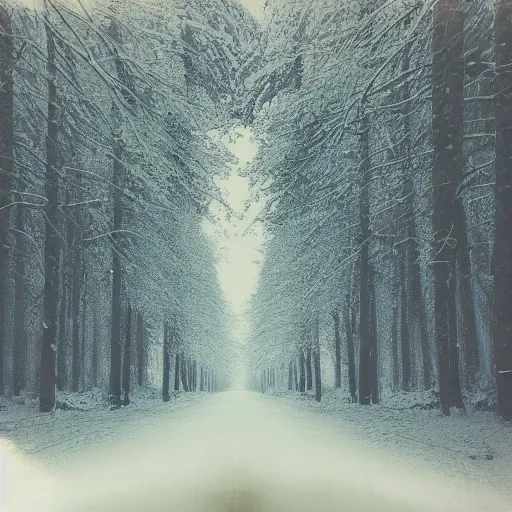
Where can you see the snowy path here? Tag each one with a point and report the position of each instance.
(231, 452)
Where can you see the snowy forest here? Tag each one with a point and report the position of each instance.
(384, 134)
(107, 173)
(386, 167)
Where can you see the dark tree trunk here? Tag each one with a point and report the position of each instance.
(201, 379)
(177, 373)
(309, 370)
(295, 381)
(95, 346)
(183, 366)
(413, 310)
(52, 239)
(167, 365)
(374, 369)
(75, 311)
(405, 256)
(127, 357)
(6, 161)
(318, 370)
(62, 349)
(405, 340)
(395, 356)
(365, 386)
(117, 194)
(290, 376)
(84, 330)
(351, 354)
(454, 384)
(421, 315)
(337, 341)
(447, 122)
(468, 328)
(302, 370)
(20, 342)
(115, 332)
(502, 257)
(192, 376)
(141, 359)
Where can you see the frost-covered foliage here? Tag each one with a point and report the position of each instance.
(140, 85)
(343, 92)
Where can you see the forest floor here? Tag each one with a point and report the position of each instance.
(265, 453)
(475, 447)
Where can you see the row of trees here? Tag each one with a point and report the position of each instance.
(384, 131)
(106, 176)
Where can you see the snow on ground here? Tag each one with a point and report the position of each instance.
(85, 424)
(473, 449)
(241, 451)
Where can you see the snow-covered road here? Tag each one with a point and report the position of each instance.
(235, 451)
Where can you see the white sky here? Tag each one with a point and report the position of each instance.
(255, 7)
(237, 243)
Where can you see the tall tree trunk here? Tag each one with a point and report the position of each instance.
(95, 345)
(52, 241)
(374, 369)
(318, 370)
(20, 342)
(167, 365)
(302, 370)
(309, 370)
(83, 359)
(395, 381)
(117, 194)
(405, 339)
(183, 365)
(201, 379)
(337, 341)
(454, 384)
(115, 332)
(351, 353)
(468, 328)
(62, 349)
(420, 313)
(6, 161)
(290, 376)
(415, 313)
(295, 381)
(127, 356)
(365, 386)
(502, 256)
(76, 281)
(140, 349)
(405, 256)
(177, 373)
(447, 122)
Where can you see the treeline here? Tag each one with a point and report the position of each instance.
(106, 176)
(384, 129)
